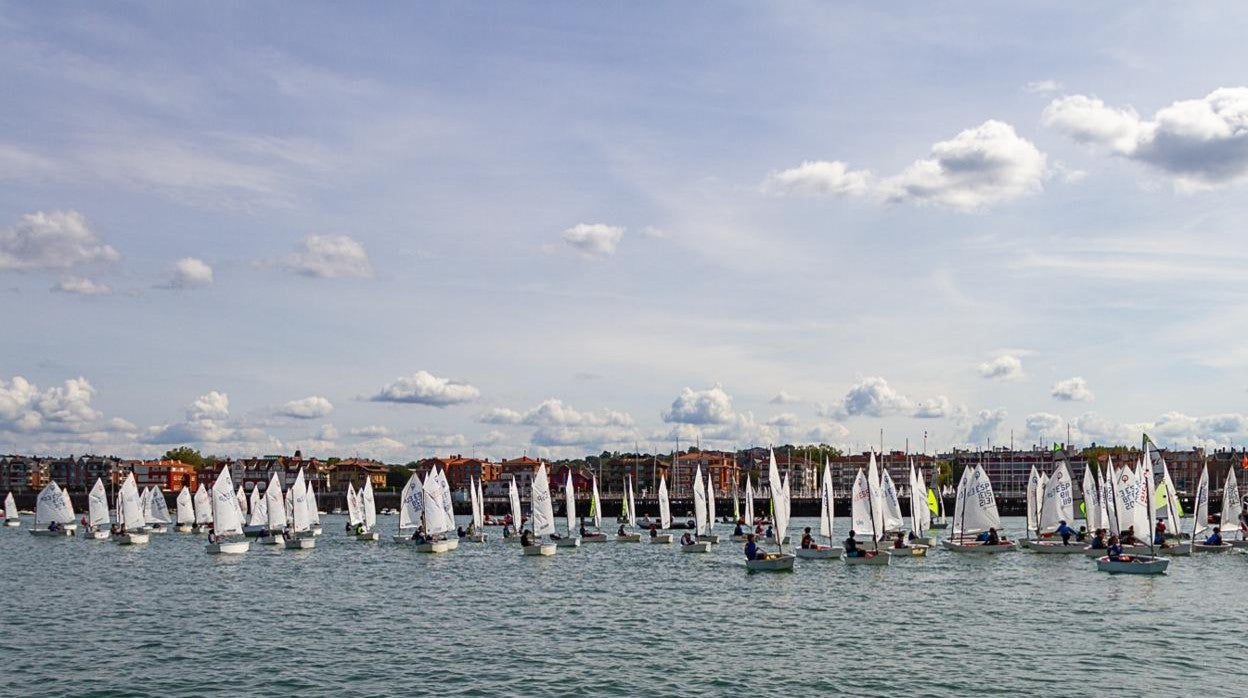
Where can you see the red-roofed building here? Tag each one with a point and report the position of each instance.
(460, 470)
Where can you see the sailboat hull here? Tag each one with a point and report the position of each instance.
(158, 528)
(254, 531)
(1202, 548)
(939, 526)
(776, 562)
(880, 559)
(713, 540)
(661, 538)
(543, 550)
(979, 547)
(367, 536)
(436, 546)
(301, 543)
(1046, 548)
(270, 540)
(317, 530)
(99, 535)
(477, 538)
(1138, 564)
(45, 533)
(628, 538)
(570, 542)
(824, 553)
(695, 548)
(594, 538)
(232, 547)
(184, 528)
(908, 552)
(12, 522)
(132, 539)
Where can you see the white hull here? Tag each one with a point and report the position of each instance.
(270, 540)
(477, 538)
(696, 548)
(824, 553)
(879, 560)
(978, 547)
(12, 522)
(661, 538)
(132, 539)
(912, 551)
(1202, 548)
(232, 547)
(184, 528)
(1047, 548)
(595, 538)
(629, 538)
(1140, 564)
(776, 562)
(713, 540)
(366, 536)
(45, 533)
(437, 546)
(544, 550)
(317, 530)
(929, 541)
(160, 528)
(571, 542)
(99, 535)
(452, 543)
(301, 543)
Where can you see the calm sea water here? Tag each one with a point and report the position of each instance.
(91, 618)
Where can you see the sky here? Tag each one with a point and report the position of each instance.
(397, 230)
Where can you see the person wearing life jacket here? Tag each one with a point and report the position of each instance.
(994, 538)
(1098, 539)
(752, 551)
(1216, 538)
(808, 541)
(687, 539)
(1065, 532)
(739, 530)
(851, 546)
(1081, 535)
(900, 542)
(1115, 550)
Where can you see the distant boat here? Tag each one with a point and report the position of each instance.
(573, 538)
(665, 514)
(301, 536)
(699, 516)
(1202, 514)
(156, 512)
(11, 517)
(974, 512)
(706, 533)
(1056, 505)
(258, 522)
(130, 514)
(542, 515)
(477, 500)
(595, 515)
(52, 506)
(826, 518)
(275, 519)
(411, 509)
(314, 512)
(629, 514)
(98, 523)
(203, 509)
(865, 515)
(1132, 498)
(186, 512)
(936, 501)
(780, 502)
(227, 517)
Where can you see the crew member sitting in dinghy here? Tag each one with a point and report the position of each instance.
(900, 542)
(1115, 550)
(752, 551)
(687, 539)
(1128, 536)
(621, 531)
(808, 541)
(1098, 539)
(654, 530)
(1216, 537)
(1082, 534)
(851, 546)
(526, 538)
(994, 538)
(1064, 531)
(740, 529)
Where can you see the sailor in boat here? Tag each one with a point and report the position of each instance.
(1098, 539)
(1081, 535)
(770, 533)
(584, 531)
(900, 543)
(526, 538)
(114, 530)
(758, 529)
(752, 551)
(1115, 550)
(1064, 531)
(654, 530)
(687, 539)
(808, 541)
(1216, 537)
(1128, 536)
(621, 531)
(472, 527)
(459, 530)
(286, 533)
(740, 529)
(994, 538)
(418, 537)
(982, 538)
(212, 535)
(507, 532)
(851, 546)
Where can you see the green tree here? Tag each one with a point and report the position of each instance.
(185, 454)
(397, 476)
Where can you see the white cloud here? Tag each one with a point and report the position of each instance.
(594, 239)
(313, 407)
(784, 419)
(1072, 389)
(870, 397)
(211, 405)
(380, 447)
(559, 424)
(713, 406)
(370, 431)
(81, 287)
(1200, 142)
(424, 388)
(1043, 86)
(1006, 367)
(784, 398)
(1043, 427)
(828, 433)
(61, 418)
(933, 408)
(986, 425)
(188, 272)
(327, 432)
(54, 240)
(330, 257)
(819, 178)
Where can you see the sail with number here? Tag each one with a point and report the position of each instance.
(569, 496)
(97, 505)
(130, 506)
(1058, 504)
(354, 514)
(976, 503)
(275, 504)
(1200, 505)
(227, 515)
(411, 503)
(186, 508)
(892, 517)
(436, 522)
(1091, 505)
(749, 501)
(157, 510)
(699, 502)
(543, 509)
(203, 505)
(665, 507)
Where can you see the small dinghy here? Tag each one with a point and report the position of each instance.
(878, 558)
(542, 516)
(1207, 548)
(695, 547)
(701, 519)
(774, 562)
(661, 538)
(823, 552)
(1050, 548)
(98, 523)
(665, 515)
(827, 517)
(227, 516)
(780, 502)
(301, 543)
(130, 514)
(1133, 564)
(541, 549)
(628, 538)
(301, 535)
(629, 514)
(53, 506)
(11, 517)
(974, 512)
(185, 508)
(476, 530)
(594, 538)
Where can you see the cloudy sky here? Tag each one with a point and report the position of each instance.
(567, 227)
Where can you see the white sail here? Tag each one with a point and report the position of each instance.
(10, 507)
(368, 504)
(1034, 497)
(97, 505)
(436, 522)
(1126, 495)
(979, 505)
(665, 507)
(862, 520)
(826, 513)
(699, 501)
(69, 505)
(596, 509)
(1231, 505)
(242, 499)
(50, 506)
(925, 510)
(157, 510)
(130, 505)
(710, 505)
(203, 505)
(259, 507)
(877, 499)
(145, 502)
(517, 514)
(918, 503)
(354, 514)
(892, 517)
(186, 508)
(314, 511)
(543, 514)
(1109, 500)
(779, 502)
(1144, 501)
(411, 503)
(1059, 500)
(472, 501)
(275, 504)
(569, 496)
(749, 502)
(960, 498)
(632, 505)
(300, 520)
(1091, 507)
(1200, 505)
(227, 515)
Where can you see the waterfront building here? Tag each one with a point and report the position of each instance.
(169, 475)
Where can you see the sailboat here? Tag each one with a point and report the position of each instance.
(275, 508)
(203, 509)
(11, 517)
(314, 511)
(242, 500)
(542, 516)
(97, 512)
(936, 501)
(448, 508)
(130, 514)
(157, 511)
(974, 512)
(301, 536)
(258, 524)
(595, 514)
(865, 515)
(51, 506)
(411, 510)
(780, 503)
(477, 532)
(1057, 505)
(629, 514)
(709, 535)
(227, 518)
(893, 521)
(186, 512)
(368, 512)
(1232, 507)
(1132, 502)
(517, 513)
(1202, 515)
(665, 515)
(573, 538)
(748, 526)
(826, 518)
(436, 525)
(920, 515)
(699, 516)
